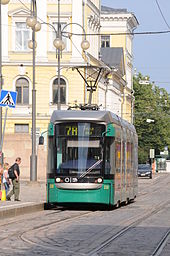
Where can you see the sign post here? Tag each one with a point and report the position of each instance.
(152, 156)
(7, 100)
(152, 153)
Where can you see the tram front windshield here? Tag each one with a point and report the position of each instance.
(79, 148)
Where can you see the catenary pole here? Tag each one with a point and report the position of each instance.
(33, 170)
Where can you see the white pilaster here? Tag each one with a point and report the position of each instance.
(4, 30)
(41, 36)
(77, 14)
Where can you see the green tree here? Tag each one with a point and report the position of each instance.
(151, 102)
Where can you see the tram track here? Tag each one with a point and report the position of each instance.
(159, 181)
(52, 245)
(44, 241)
(158, 250)
(129, 227)
(15, 221)
(20, 235)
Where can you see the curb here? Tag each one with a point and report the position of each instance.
(13, 211)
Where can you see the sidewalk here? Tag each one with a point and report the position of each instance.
(32, 196)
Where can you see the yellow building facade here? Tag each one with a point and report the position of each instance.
(17, 58)
(78, 18)
(117, 26)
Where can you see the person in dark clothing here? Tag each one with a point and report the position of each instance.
(16, 184)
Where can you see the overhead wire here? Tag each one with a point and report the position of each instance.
(117, 34)
(103, 34)
(123, 33)
(24, 5)
(162, 14)
(114, 34)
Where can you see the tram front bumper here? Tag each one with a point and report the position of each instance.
(103, 195)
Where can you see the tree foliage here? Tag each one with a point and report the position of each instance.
(151, 102)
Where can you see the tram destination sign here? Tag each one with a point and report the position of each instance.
(80, 129)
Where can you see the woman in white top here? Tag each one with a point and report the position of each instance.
(6, 181)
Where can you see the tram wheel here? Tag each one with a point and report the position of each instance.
(126, 201)
(47, 206)
(118, 204)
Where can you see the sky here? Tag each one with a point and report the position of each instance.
(151, 52)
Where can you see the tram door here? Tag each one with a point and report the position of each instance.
(118, 165)
(128, 165)
(123, 174)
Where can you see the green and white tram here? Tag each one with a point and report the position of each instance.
(92, 158)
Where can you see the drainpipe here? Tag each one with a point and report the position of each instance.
(106, 90)
(132, 106)
(122, 105)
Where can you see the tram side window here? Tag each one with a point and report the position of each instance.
(52, 155)
(110, 156)
(124, 158)
(129, 153)
(60, 142)
(132, 155)
(135, 156)
(118, 156)
(107, 158)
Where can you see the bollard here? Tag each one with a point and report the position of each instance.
(3, 195)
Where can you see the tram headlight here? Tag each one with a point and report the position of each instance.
(58, 180)
(99, 180)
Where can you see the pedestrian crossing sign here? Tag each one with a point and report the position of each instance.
(8, 99)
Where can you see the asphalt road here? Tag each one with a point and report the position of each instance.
(140, 228)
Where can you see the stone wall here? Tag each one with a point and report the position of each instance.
(21, 145)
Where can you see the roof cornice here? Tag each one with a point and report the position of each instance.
(93, 7)
(19, 12)
(130, 18)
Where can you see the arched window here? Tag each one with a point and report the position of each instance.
(22, 88)
(62, 91)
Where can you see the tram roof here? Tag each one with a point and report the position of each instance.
(87, 115)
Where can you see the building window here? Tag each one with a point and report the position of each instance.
(21, 128)
(105, 41)
(22, 88)
(64, 39)
(62, 91)
(22, 35)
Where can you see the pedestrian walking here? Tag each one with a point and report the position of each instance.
(6, 181)
(1, 175)
(15, 181)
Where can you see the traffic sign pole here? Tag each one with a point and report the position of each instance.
(4, 129)
(7, 100)
(2, 140)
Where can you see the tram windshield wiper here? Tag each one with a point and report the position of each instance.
(90, 169)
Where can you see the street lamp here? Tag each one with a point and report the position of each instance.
(1, 80)
(32, 22)
(60, 46)
(5, 1)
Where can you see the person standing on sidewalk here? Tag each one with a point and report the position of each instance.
(6, 181)
(1, 175)
(16, 184)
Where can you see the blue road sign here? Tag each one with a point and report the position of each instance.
(8, 99)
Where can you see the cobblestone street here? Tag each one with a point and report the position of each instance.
(135, 229)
